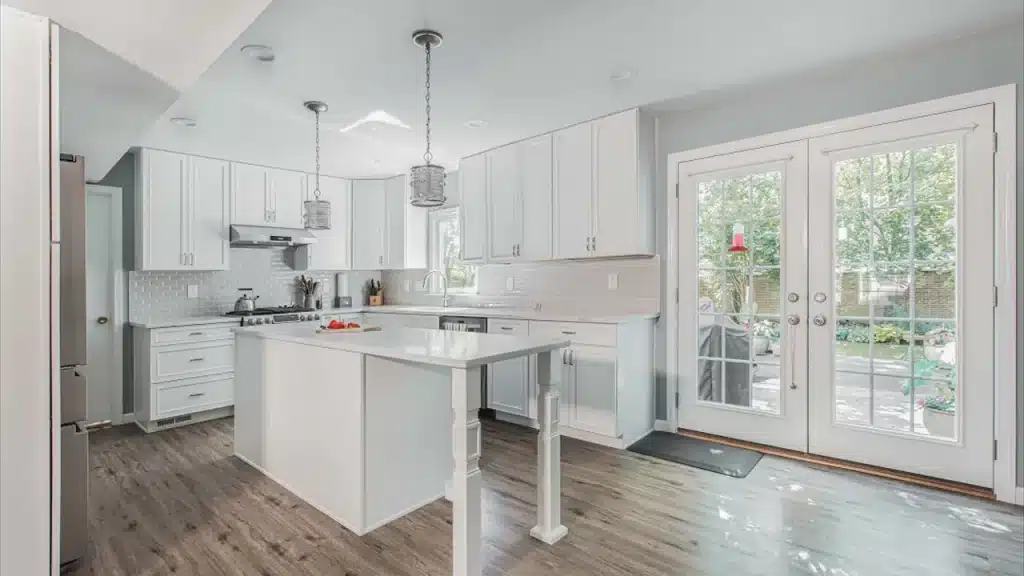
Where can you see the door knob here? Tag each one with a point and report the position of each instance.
(819, 320)
(102, 320)
(793, 319)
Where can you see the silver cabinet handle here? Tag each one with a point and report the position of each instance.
(569, 332)
(191, 259)
(380, 259)
(196, 359)
(588, 243)
(820, 320)
(564, 350)
(184, 259)
(197, 394)
(506, 328)
(195, 334)
(593, 243)
(572, 359)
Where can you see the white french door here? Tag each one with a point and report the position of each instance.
(742, 229)
(835, 295)
(901, 219)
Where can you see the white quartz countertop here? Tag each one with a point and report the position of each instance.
(435, 347)
(183, 321)
(495, 312)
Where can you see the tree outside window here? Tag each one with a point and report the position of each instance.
(444, 253)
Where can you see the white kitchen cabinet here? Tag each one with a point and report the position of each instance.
(333, 248)
(535, 202)
(592, 385)
(508, 381)
(209, 227)
(369, 213)
(603, 187)
(250, 195)
(473, 208)
(287, 194)
(181, 212)
(573, 191)
(504, 220)
(386, 320)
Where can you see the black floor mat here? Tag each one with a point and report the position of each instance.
(735, 462)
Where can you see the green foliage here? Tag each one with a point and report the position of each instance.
(888, 333)
(857, 333)
(767, 328)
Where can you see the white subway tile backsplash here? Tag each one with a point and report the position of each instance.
(266, 271)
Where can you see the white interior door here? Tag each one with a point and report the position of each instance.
(901, 277)
(742, 365)
(104, 304)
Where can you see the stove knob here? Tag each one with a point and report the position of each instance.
(302, 316)
(316, 316)
(270, 320)
(250, 321)
(259, 320)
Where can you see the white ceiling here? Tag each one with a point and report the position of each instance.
(524, 67)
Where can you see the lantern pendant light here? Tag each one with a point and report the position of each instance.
(317, 212)
(426, 181)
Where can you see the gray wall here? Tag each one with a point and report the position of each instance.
(122, 175)
(982, 61)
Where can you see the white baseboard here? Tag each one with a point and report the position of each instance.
(663, 426)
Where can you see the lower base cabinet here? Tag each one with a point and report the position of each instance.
(509, 382)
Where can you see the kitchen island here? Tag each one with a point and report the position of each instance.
(370, 426)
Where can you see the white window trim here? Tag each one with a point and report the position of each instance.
(435, 216)
(1005, 395)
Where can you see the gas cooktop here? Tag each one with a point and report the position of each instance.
(271, 310)
(276, 315)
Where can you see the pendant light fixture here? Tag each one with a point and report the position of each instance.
(317, 212)
(426, 181)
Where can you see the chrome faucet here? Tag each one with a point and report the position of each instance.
(444, 284)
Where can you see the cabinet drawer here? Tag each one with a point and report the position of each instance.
(188, 334)
(193, 397)
(176, 362)
(500, 326)
(577, 332)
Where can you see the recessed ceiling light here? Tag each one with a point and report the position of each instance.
(621, 74)
(184, 121)
(259, 52)
(476, 123)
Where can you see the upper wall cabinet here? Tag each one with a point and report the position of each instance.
(388, 233)
(181, 212)
(519, 201)
(333, 248)
(603, 189)
(473, 208)
(262, 196)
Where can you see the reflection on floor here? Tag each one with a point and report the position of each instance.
(178, 502)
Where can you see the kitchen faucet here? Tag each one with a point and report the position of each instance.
(444, 284)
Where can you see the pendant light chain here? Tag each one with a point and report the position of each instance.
(316, 190)
(428, 157)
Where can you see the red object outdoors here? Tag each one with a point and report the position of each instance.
(737, 239)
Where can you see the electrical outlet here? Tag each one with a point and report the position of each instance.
(510, 284)
(193, 291)
(405, 285)
(613, 281)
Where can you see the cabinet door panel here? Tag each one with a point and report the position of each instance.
(616, 208)
(249, 195)
(209, 201)
(163, 210)
(473, 207)
(288, 192)
(332, 250)
(508, 386)
(395, 205)
(594, 393)
(503, 223)
(535, 194)
(368, 223)
(572, 194)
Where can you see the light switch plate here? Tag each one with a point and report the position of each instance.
(193, 291)
(613, 281)
(510, 284)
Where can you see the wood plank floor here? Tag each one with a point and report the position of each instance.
(178, 502)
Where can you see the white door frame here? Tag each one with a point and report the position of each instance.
(119, 305)
(1005, 100)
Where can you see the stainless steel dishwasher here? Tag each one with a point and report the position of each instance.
(471, 324)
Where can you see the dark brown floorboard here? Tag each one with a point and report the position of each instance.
(178, 502)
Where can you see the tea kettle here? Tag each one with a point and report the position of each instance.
(245, 303)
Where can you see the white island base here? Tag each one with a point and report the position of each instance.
(369, 427)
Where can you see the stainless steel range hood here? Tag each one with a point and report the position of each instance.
(269, 237)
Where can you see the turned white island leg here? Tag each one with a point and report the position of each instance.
(549, 527)
(467, 509)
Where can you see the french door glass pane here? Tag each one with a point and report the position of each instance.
(739, 340)
(895, 290)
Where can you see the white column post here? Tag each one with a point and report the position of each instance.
(549, 527)
(467, 510)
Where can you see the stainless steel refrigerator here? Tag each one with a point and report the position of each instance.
(74, 437)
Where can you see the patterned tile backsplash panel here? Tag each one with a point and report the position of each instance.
(563, 287)
(266, 271)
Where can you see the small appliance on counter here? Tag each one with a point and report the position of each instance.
(245, 302)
